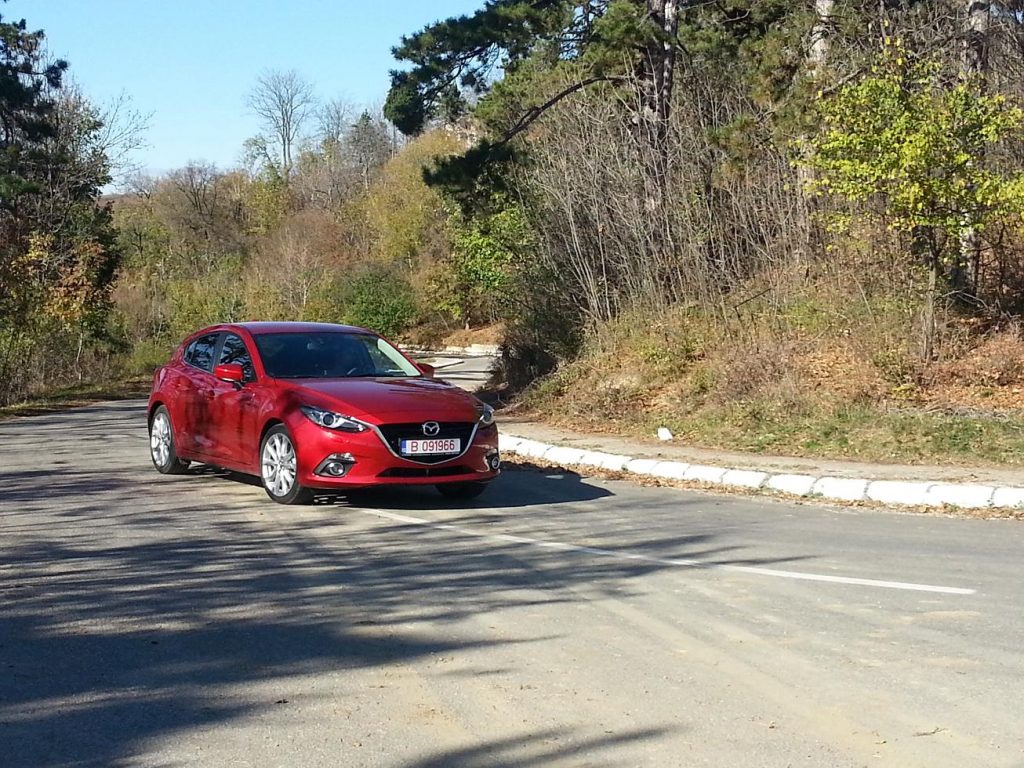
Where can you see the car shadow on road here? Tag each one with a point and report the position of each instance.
(545, 487)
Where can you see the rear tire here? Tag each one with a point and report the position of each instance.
(161, 444)
(279, 468)
(461, 490)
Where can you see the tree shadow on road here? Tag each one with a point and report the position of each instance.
(135, 608)
(553, 746)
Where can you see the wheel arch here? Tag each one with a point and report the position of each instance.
(269, 425)
(153, 408)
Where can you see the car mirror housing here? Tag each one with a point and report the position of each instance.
(231, 372)
(426, 369)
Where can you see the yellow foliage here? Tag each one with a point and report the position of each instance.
(401, 211)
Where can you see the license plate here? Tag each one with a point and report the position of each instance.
(435, 446)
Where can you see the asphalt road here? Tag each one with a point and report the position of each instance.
(188, 621)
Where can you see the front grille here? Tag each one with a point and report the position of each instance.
(413, 472)
(395, 433)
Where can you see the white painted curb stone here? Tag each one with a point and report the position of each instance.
(842, 488)
(744, 478)
(1008, 498)
(642, 466)
(611, 461)
(473, 350)
(967, 496)
(704, 474)
(563, 455)
(798, 485)
(670, 470)
(508, 442)
(896, 492)
(532, 448)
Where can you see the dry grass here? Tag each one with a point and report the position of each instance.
(798, 387)
(74, 397)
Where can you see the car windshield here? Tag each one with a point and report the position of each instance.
(330, 355)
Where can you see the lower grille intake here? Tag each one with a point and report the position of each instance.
(411, 472)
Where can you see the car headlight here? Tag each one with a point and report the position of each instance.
(486, 415)
(332, 420)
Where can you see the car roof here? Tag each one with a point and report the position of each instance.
(258, 328)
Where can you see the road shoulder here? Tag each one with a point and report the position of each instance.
(999, 492)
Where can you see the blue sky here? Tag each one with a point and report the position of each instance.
(190, 63)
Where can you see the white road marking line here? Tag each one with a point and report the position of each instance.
(686, 563)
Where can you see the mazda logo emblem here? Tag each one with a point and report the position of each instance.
(431, 428)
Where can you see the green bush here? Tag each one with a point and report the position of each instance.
(146, 356)
(212, 298)
(478, 276)
(382, 300)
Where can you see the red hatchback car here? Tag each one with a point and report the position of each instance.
(309, 406)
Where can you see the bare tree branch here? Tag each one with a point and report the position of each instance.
(284, 102)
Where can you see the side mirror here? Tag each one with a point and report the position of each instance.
(231, 372)
(426, 369)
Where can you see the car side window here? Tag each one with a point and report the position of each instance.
(381, 362)
(199, 353)
(233, 350)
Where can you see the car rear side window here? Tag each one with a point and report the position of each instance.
(234, 351)
(199, 353)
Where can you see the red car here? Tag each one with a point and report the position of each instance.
(309, 406)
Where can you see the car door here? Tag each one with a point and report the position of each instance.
(234, 427)
(192, 406)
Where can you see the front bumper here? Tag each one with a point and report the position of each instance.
(369, 461)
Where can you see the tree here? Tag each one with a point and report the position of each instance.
(464, 51)
(368, 145)
(657, 68)
(910, 149)
(26, 108)
(973, 72)
(322, 176)
(603, 40)
(333, 121)
(284, 102)
(58, 252)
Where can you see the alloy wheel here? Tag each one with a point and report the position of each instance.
(278, 464)
(160, 439)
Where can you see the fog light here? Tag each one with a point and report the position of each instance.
(335, 465)
(494, 462)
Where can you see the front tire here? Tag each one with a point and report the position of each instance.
(461, 491)
(279, 468)
(161, 444)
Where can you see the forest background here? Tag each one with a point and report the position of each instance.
(771, 226)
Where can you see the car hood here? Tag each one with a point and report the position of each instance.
(386, 400)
